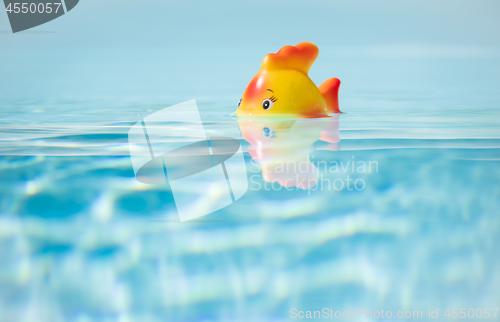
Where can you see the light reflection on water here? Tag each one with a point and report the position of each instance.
(82, 240)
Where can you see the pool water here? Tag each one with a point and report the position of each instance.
(417, 229)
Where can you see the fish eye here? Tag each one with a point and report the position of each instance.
(239, 103)
(267, 104)
(267, 132)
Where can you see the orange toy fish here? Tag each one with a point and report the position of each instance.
(282, 87)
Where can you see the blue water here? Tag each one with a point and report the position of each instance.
(82, 240)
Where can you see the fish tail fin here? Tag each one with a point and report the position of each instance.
(330, 91)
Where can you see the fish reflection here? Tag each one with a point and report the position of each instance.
(282, 147)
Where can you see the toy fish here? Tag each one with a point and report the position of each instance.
(282, 87)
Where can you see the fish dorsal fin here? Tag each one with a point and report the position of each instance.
(300, 58)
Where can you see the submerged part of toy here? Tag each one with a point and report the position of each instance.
(282, 147)
(283, 88)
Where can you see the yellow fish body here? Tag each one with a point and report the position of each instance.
(282, 87)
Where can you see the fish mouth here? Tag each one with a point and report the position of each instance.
(242, 112)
